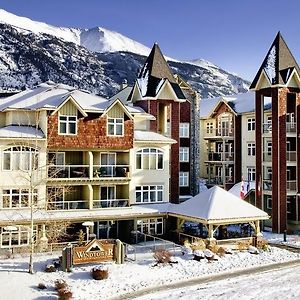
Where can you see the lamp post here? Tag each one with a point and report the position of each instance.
(87, 226)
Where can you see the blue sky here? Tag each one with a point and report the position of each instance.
(234, 34)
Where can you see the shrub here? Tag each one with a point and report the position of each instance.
(60, 284)
(199, 244)
(41, 286)
(162, 256)
(221, 251)
(214, 248)
(262, 244)
(50, 269)
(99, 273)
(243, 245)
(65, 294)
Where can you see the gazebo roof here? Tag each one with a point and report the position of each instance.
(217, 206)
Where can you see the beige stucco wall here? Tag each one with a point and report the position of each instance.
(149, 177)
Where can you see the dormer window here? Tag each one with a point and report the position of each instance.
(115, 126)
(67, 125)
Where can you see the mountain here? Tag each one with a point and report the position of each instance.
(91, 59)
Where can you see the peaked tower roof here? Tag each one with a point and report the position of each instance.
(278, 64)
(154, 73)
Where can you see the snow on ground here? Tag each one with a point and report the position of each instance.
(129, 277)
(278, 238)
(280, 284)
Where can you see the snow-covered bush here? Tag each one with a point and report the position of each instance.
(100, 272)
(65, 294)
(60, 284)
(162, 256)
(50, 268)
(41, 286)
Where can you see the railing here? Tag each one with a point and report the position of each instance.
(67, 205)
(220, 156)
(291, 127)
(110, 171)
(267, 127)
(267, 156)
(110, 203)
(219, 132)
(291, 185)
(291, 156)
(68, 171)
(267, 185)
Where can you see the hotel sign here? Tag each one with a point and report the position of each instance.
(94, 251)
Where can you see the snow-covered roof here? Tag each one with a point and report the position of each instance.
(240, 103)
(16, 131)
(122, 95)
(23, 216)
(248, 186)
(217, 206)
(50, 95)
(149, 136)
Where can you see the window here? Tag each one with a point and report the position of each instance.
(269, 148)
(251, 174)
(149, 159)
(56, 198)
(115, 126)
(16, 238)
(56, 158)
(67, 125)
(184, 130)
(150, 226)
(149, 193)
(251, 149)
(20, 158)
(251, 124)
(18, 198)
(183, 179)
(209, 127)
(184, 153)
(269, 203)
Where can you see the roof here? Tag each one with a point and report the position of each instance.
(217, 206)
(149, 136)
(154, 73)
(50, 95)
(40, 216)
(278, 63)
(122, 95)
(248, 186)
(239, 103)
(18, 131)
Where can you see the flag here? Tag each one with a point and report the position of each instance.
(242, 192)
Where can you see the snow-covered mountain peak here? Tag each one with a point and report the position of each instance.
(96, 39)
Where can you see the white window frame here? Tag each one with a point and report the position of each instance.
(184, 154)
(147, 154)
(269, 147)
(69, 119)
(184, 179)
(151, 226)
(251, 148)
(20, 158)
(184, 130)
(251, 124)
(251, 173)
(18, 198)
(115, 124)
(149, 193)
(209, 127)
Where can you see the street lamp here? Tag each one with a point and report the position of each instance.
(87, 225)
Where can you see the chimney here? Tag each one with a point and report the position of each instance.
(124, 84)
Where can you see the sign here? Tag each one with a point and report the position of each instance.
(94, 251)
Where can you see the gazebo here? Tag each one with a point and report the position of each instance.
(216, 207)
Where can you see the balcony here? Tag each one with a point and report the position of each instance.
(291, 127)
(220, 156)
(267, 156)
(291, 156)
(291, 185)
(219, 133)
(108, 171)
(67, 205)
(68, 171)
(111, 203)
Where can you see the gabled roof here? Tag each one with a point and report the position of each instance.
(216, 206)
(153, 74)
(239, 103)
(19, 131)
(278, 64)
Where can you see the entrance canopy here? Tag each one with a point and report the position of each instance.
(216, 206)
